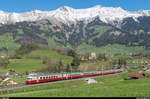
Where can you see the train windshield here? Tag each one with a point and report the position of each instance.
(29, 78)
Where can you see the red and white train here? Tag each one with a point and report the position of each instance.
(40, 78)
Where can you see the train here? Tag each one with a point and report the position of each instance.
(34, 78)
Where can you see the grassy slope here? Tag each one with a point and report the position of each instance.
(28, 63)
(111, 49)
(92, 66)
(139, 61)
(7, 41)
(99, 29)
(53, 54)
(108, 86)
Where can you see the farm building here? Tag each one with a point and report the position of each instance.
(136, 75)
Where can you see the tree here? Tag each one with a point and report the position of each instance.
(60, 66)
(68, 69)
(122, 62)
(24, 49)
(4, 61)
(75, 62)
(87, 55)
(71, 53)
(46, 60)
(101, 57)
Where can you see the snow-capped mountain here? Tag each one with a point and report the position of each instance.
(96, 26)
(67, 14)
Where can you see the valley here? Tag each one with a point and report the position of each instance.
(69, 40)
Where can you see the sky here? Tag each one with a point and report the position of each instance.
(20, 6)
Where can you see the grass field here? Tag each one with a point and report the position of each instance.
(19, 80)
(139, 61)
(53, 54)
(111, 49)
(107, 86)
(24, 65)
(96, 65)
(33, 61)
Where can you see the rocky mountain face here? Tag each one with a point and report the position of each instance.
(96, 26)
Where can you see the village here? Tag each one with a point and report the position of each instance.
(6, 77)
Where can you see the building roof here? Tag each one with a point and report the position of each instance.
(138, 75)
(148, 67)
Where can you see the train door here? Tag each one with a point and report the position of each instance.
(62, 76)
(37, 79)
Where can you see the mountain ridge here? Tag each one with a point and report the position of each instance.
(66, 14)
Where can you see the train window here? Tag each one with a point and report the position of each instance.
(46, 77)
(43, 77)
(29, 78)
(40, 77)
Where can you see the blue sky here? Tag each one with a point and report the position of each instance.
(46, 5)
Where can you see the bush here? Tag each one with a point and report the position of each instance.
(71, 53)
(75, 62)
(27, 73)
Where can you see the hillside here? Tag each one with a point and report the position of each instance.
(99, 31)
(33, 61)
(112, 49)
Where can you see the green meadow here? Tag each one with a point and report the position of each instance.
(33, 61)
(111, 49)
(107, 86)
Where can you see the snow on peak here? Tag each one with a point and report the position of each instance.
(97, 6)
(144, 12)
(66, 14)
(2, 12)
(65, 8)
(37, 11)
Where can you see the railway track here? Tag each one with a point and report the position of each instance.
(10, 87)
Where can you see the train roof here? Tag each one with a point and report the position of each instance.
(35, 74)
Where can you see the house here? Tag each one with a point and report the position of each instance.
(10, 81)
(92, 56)
(5, 73)
(3, 57)
(140, 67)
(1, 79)
(147, 69)
(83, 58)
(134, 75)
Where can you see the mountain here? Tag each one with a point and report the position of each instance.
(97, 26)
(67, 14)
